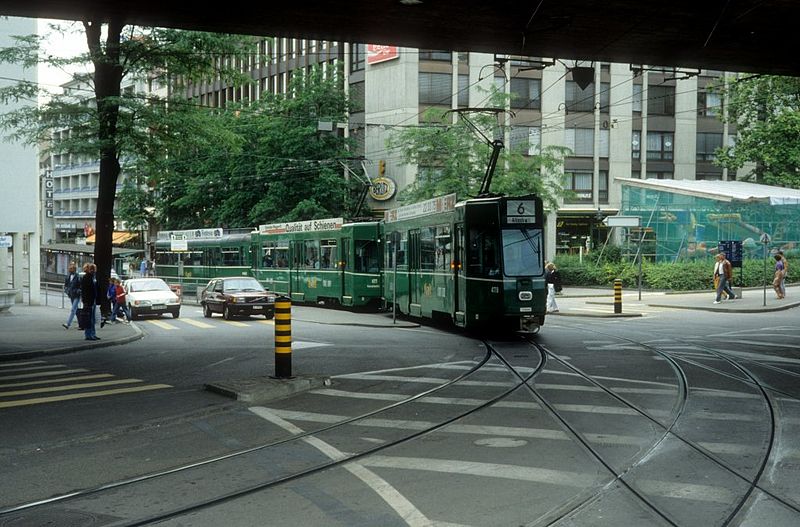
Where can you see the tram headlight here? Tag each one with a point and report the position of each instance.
(525, 296)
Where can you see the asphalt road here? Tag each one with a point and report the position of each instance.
(674, 418)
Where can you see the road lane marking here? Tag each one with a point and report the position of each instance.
(42, 374)
(196, 323)
(72, 396)
(235, 323)
(34, 368)
(270, 322)
(401, 505)
(64, 387)
(51, 381)
(162, 325)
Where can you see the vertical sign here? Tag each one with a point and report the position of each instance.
(379, 53)
(48, 193)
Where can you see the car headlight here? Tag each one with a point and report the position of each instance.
(271, 299)
(142, 303)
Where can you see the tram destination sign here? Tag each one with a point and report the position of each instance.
(520, 211)
(329, 224)
(423, 208)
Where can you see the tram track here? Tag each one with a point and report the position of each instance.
(31, 509)
(746, 376)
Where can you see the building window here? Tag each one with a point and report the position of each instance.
(602, 189)
(661, 100)
(526, 93)
(707, 144)
(525, 139)
(435, 88)
(580, 183)
(358, 55)
(580, 141)
(463, 91)
(708, 104)
(578, 100)
(659, 145)
(431, 54)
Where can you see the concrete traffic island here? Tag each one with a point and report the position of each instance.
(7, 298)
(265, 388)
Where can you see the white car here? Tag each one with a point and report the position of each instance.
(151, 296)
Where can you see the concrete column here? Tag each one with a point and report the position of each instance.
(684, 149)
(34, 268)
(18, 265)
(550, 235)
(553, 122)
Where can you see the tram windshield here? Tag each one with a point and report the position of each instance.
(522, 252)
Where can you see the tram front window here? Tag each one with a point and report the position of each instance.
(522, 252)
(484, 253)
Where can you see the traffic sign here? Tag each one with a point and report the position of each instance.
(765, 239)
(622, 221)
(5, 242)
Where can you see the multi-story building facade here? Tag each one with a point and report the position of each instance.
(618, 120)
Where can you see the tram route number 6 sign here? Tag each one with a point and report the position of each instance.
(521, 211)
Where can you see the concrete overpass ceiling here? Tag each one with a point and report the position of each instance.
(742, 35)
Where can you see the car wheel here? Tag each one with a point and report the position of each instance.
(207, 311)
(226, 313)
(176, 313)
(269, 315)
(134, 313)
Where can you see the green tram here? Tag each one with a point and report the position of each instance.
(192, 257)
(478, 263)
(321, 261)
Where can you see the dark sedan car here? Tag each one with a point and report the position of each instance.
(236, 296)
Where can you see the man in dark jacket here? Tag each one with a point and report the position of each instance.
(89, 297)
(72, 288)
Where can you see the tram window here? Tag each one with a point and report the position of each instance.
(311, 259)
(443, 248)
(427, 248)
(328, 254)
(231, 256)
(522, 252)
(367, 258)
(267, 259)
(212, 256)
(484, 255)
(281, 257)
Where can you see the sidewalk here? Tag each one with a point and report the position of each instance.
(31, 331)
(595, 302)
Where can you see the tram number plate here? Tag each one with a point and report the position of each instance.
(521, 211)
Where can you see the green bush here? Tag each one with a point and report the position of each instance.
(680, 276)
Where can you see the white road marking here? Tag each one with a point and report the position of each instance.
(63, 387)
(197, 323)
(51, 381)
(404, 508)
(42, 374)
(162, 325)
(235, 323)
(25, 363)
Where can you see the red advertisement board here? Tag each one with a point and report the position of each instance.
(379, 53)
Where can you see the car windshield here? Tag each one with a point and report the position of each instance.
(243, 284)
(148, 285)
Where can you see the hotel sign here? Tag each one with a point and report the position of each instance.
(379, 53)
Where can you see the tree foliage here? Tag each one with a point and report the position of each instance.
(766, 111)
(266, 162)
(452, 157)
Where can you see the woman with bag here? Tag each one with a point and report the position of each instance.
(89, 298)
(72, 288)
(553, 281)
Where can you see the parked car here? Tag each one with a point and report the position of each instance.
(237, 295)
(151, 296)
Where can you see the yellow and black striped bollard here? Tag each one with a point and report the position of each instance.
(617, 296)
(283, 337)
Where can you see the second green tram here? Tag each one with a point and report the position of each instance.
(478, 263)
(327, 261)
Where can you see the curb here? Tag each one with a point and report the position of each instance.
(783, 307)
(15, 355)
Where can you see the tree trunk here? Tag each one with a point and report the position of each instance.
(107, 81)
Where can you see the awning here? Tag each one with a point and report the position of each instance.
(118, 238)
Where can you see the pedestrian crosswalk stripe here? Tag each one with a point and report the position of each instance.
(42, 374)
(162, 325)
(234, 323)
(85, 395)
(271, 322)
(63, 387)
(51, 381)
(34, 368)
(25, 363)
(196, 323)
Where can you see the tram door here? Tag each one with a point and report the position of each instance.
(345, 264)
(298, 254)
(414, 307)
(460, 257)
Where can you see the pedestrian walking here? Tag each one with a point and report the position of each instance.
(723, 274)
(785, 273)
(121, 303)
(72, 288)
(777, 280)
(143, 268)
(553, 281)
(89, 298)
